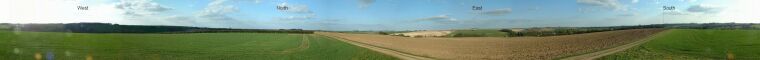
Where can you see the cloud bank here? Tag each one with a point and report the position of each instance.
(217, 10)
(610, 4)
(704, 9)
(439, 18)
(496, 12)
(292, 8)
(140, 7)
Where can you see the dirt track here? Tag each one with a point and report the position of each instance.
(499, 48)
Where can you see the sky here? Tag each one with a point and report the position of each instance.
(380, 14)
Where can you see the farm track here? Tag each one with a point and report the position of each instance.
(499, 48)
(397, 54)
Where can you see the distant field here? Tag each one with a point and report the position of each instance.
(4, 27)
(197, 46)
(691, 44)
(756, 26)
(478, 33)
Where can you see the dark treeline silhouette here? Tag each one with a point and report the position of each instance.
(722, 26)
(554, 31)
(116, 28)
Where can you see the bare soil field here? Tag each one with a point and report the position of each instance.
(500, 48)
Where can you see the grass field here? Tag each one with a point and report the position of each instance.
(693, 44)
(197, 46)
(478, 33)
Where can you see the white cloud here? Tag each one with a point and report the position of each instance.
(438, 18)
(696, 10)
(216, 10)
(495, 12)
(610, 4)
(213, 15)
(743, 11)
(140, 7)
(704, 9)
(55, 11)
(303, 9)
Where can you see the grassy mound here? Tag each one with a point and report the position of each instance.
(690, 44)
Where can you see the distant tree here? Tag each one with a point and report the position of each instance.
(508, 31)
(518, 34)
(383, 33)
(458, 35)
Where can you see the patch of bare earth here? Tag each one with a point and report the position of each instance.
(496, 48)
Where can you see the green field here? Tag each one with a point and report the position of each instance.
(478, 33)
(693, 44)
(195, 46)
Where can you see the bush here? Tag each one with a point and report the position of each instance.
(383, 33)
(468, 35)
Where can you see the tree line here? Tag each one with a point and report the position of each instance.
(554, 31)
(116, 28)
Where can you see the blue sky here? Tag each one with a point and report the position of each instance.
(380, 14)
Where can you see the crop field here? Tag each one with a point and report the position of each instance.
(693, 44)
(195, 46)
(501, 48)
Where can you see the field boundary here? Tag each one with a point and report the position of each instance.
(610, 51)
(398, 54)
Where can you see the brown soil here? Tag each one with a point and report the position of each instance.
(496, 48)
